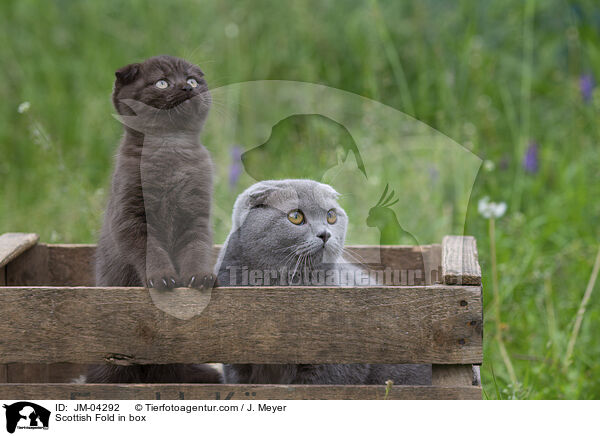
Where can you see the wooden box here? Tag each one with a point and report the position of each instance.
(54, 322)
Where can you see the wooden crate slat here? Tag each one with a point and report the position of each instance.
(44, 373)
(460, 264)
(13, 244)
(452, 375)
(433, 324)
(3, 368)
(52, 391)
(73, 264)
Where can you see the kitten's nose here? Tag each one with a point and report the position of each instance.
(324, 235)
(187, 88)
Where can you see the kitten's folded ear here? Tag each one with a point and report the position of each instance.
(127, 74)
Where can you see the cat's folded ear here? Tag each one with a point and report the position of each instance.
(127, 74)
(253, 197)
(330, 191)
(260, 195)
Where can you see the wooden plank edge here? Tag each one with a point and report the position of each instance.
(13, 244)
(63, 391)
(3, 367)
(452, 375)
(460, 347)
(460, 261)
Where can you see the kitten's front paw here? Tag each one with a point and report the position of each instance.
(202, 281)
(162, 281)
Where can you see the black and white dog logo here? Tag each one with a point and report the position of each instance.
(26, 415)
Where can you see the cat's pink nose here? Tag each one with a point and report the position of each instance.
(324, 235)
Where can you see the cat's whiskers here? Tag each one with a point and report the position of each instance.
(289, 258)
(341, 251)
(350, 256)
(310, 262)
(290, 247)
(295, 249)
(296, 267)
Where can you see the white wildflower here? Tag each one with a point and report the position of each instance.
(24, 107)
(489, 209)
(231, 30)
(489, 165)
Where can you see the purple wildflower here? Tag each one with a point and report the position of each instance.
(586, 86)
(235, 169)
(531, 159)
(434, 174)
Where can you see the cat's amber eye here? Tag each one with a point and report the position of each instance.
(296, 217)
(162, 84)
(192, 83)
(331, 216)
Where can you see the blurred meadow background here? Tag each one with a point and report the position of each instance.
(512, 81)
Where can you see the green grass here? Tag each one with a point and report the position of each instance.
(492, 76)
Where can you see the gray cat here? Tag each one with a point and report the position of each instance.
(294, 228)
(157, 230)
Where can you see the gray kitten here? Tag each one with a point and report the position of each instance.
(296, 227)
(157, 230)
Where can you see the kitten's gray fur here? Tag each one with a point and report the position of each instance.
(157, 230)
(262, 238)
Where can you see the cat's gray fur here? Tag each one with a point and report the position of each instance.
(157, 230)
(262, 238)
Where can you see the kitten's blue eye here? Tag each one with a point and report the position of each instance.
(192, 83)
(162, 84)
(296, 217)
(331, 216)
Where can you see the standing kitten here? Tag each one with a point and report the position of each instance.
(297, 227)
(157, 230)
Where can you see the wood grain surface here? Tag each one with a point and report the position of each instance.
(73, 264)
(13, 244)
(460, 265)
(432, 324)
(232, 392)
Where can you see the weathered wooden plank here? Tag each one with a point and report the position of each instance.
(44, 373)
(452, 375)
(424, 262)
(460, 264)
(433, 264)
(72, 264)
(233, 392)
(3, 368)
(63, 267)
(30, 268)
(30, 264)
(13, 244)
(47, 264)
(434, 324)
(54, 265)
